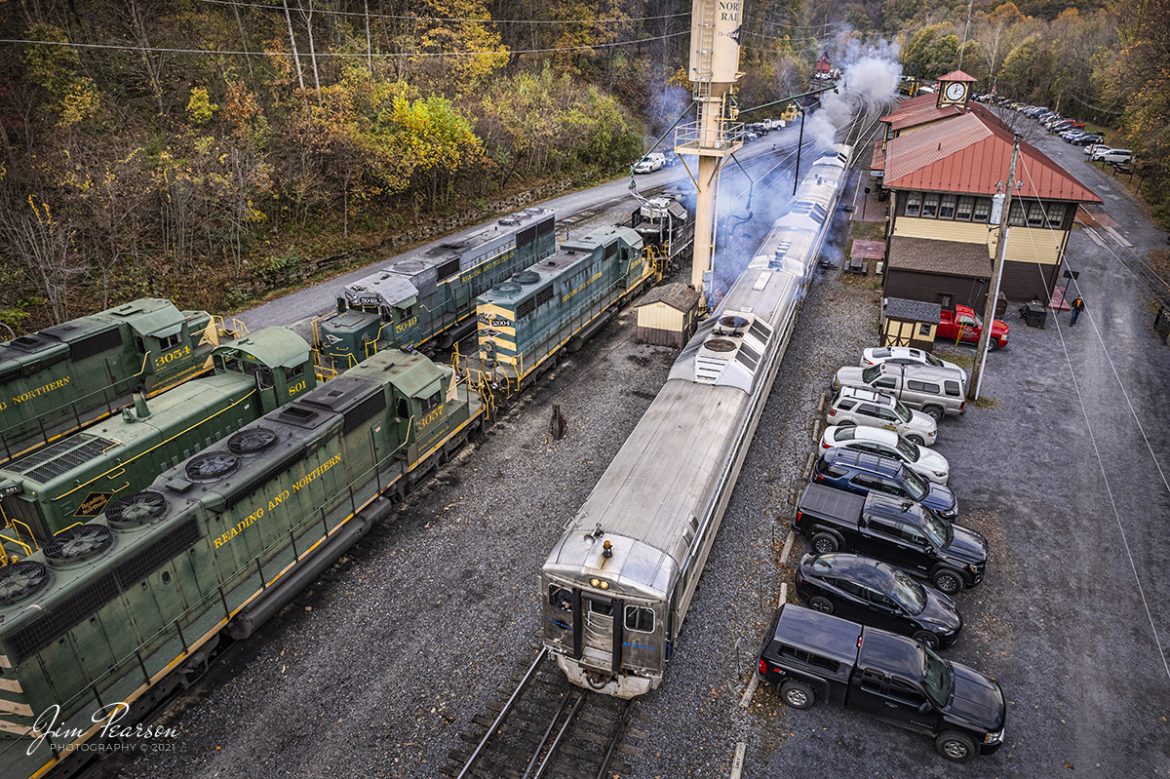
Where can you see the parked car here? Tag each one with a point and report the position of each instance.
(863, 473)
(1112, 155)
(879, 595)
(894, 530)
(870, 408)
(905, 355)
(812, 656)
(650, 163)
(1093, 148)
(750, 135)
(935, 391)
(961, 325)
(925, 462)
(1087, 139)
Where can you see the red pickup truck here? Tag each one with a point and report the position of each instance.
(960, 325)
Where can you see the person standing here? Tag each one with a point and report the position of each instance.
(1078, 306)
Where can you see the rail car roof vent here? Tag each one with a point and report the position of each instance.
(527, 277)
(137, 510)
(252, 440)
(20, 581)
(212, 466)
(508, 288)
(408, 266)
(78, 544)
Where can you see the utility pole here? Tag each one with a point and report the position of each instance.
(799, 146)
(996, 272)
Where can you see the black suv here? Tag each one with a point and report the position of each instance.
(815, 656)
(863, 473)
(877, 594)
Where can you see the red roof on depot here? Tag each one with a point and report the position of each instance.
(957, 75)
(919, 110)
(969, 155)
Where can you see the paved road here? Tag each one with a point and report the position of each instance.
(298, 307)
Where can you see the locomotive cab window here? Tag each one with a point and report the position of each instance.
(604, 608)
(402, 408)
(561, 597)
(169, 342)
(264, 379)
(432, 401)
(405, 312)
(640, 619)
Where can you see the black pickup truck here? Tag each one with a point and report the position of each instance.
(813, 656)
(893, 530)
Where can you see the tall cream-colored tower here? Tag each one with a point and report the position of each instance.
(714, 71)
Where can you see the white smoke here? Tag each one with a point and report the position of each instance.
(869, 77)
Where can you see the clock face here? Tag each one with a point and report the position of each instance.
(955, 91)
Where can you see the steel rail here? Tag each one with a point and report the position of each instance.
(491, 731)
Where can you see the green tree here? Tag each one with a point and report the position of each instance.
(932, 51)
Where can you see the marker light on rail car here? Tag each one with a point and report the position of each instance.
(600, 584)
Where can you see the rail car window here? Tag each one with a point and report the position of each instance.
(604, 609)
(432, 401)
(405, 312)
(170, 341)
(264, 378)
(640, 619)
(561, 597)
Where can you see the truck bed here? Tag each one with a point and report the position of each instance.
(832, 504)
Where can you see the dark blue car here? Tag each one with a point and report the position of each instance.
(862, 472)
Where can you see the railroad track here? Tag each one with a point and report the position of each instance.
(542, 727)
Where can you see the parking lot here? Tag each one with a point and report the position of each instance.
(1063, 467)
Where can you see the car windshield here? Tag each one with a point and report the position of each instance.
(915, 484)
(902, 412)
(869, 374)
(938, 530)
(930, 358)
(936, 676)
(908, 593)
(908, 450)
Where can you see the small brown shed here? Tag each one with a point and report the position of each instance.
(666, 315)
(910, 323)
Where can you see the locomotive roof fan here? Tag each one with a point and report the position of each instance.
(252, 440)
(78, 544)
(212, 466)
(137, 510)
(22, 580)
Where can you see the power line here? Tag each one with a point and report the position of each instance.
(340, 55)
(488, 20)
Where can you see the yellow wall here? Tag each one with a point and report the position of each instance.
(942, 230)
(1036, 244)
(660, 316)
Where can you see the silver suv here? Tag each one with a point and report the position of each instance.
(936, 391)
(854, 406)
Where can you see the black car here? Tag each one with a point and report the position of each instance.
(814, 657)
(878, 594)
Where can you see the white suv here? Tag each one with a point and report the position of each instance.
(868, 408)
(650, 163)
(1112, 155)
(887, 443)
(905, 355)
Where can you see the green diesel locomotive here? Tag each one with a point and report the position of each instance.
(70, 375)
(430, 295)
(119, 610)
(558, 302)
(72, 479)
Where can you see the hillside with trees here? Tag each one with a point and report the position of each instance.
(215, 151)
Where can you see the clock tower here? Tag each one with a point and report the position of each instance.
(954, 89)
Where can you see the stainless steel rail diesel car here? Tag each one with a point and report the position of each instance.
(215, 545)
(615, 589)
(67, 482)
(69, 375)
(430, 295)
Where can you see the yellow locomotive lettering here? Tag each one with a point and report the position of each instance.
(581, 286)
(409, 323)
(166, 359)
(300, 386)
(44, 389)
(275, 501)
(431, 417)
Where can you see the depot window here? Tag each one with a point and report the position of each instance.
(982, 211)
(639, 619)
(930, 205)
(964, 208)
(1056, 214)
(946, 208)
(1016, 217)
(913, 203)
(1036, 214)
